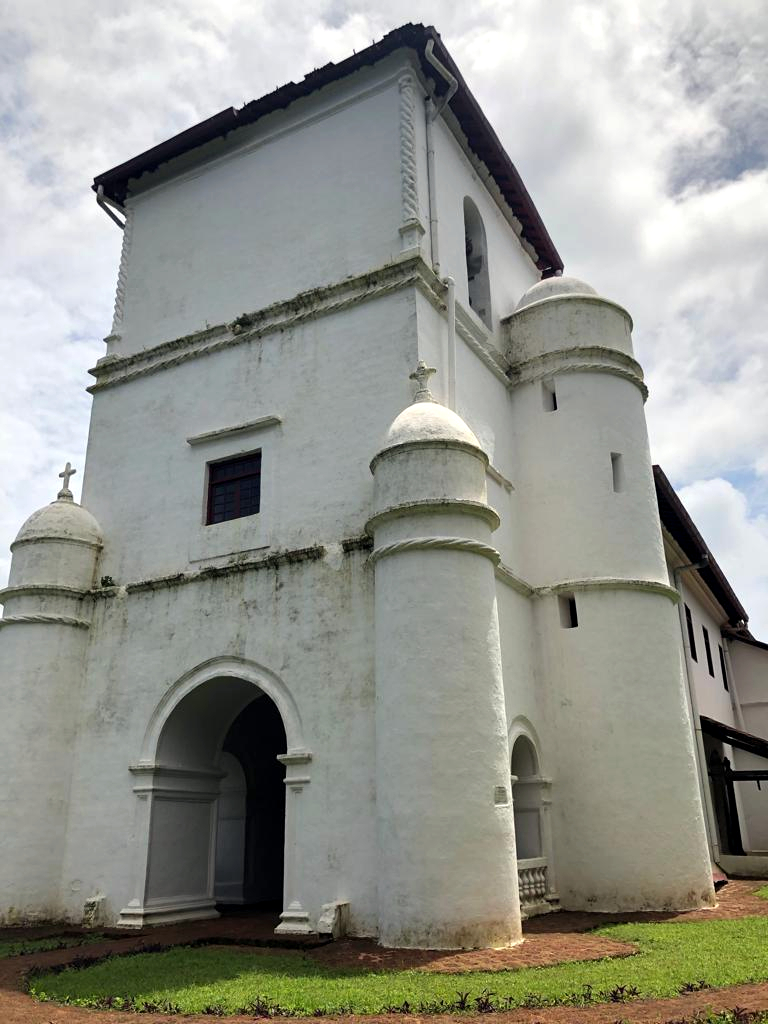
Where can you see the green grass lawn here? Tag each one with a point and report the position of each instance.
(671, 956)
(18, 947)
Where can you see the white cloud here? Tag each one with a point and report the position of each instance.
(639, 128)
(738, 540)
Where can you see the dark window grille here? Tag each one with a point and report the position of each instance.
(691, 639)
(722, 666)
(710, 665)
(234, 488)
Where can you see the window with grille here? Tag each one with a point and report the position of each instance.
(234, 488)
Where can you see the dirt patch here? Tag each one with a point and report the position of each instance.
(552, 939)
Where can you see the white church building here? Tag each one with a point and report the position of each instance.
(384, 648)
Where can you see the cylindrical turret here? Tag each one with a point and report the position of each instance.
(447, 871)
(42, 648)
(628, 820)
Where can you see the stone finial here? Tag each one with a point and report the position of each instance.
(421, 375)
(65, 494)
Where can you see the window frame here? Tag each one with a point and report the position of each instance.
(212, 484)
(691, 635)
(708, 651)
(723, 671)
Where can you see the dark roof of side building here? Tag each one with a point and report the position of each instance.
(678, 523)
(481, 137)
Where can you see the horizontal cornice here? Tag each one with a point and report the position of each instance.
(436, 506)
(262, 423)
(505, 575)
(278, 317)
(211, 572)
(578, 359)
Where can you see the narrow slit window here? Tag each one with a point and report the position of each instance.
(548, 396)
(708, 649)
(617, 470)
(691, 637)
(569, 618)
(722, 666)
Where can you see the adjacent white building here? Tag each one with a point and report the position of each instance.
(321, 635)
(726, 672)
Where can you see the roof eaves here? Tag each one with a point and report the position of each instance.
(675, 517)
(481, 137)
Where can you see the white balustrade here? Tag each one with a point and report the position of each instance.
(532, 879)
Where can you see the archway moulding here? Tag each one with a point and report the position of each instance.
(225, 667)
(522, 726)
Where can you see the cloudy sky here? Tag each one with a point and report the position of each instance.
(641, 130)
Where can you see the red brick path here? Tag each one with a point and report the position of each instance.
(551, 939)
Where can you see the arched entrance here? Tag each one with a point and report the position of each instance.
(213, 819)
(531, 801)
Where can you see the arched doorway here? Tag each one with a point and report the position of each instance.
(531, 801)
(213, 822)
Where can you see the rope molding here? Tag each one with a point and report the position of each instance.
(610, 583)
(122, 273)
(586, 367)
(61, 620)
(408, 169)
(271, 320)
(505, 574)
(474, 547)
(430, 506)
(604, 352)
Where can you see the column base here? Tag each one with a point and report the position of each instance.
(294, 920)
(138, 915)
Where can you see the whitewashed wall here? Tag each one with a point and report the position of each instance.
(281, 207)
(511, 270)
(713, 699)
(750, 668)
(336, 384)
(263, 224)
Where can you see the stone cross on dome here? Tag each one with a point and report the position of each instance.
(421, 375)
(65, 493)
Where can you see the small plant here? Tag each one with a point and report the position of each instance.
(462, 1002)
(694, 986)
(623, 993)
(484, 1002)
(107, 581)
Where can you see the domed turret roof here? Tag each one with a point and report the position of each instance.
(554, 286)
(61, 520)
(426, 420)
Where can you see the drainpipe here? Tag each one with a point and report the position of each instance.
(433, 247)
(693, 704)
(105, 202)
(433, 111)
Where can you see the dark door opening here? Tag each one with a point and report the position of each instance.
(251, 830)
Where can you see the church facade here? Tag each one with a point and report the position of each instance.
(390, 649)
